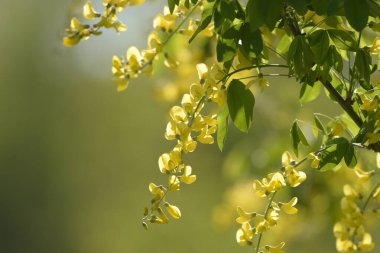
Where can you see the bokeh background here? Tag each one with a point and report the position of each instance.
(76, 156)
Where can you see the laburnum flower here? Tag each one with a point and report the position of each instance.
(245, 234)
(289, 208)
(341, 231)
(315, 160)
(261, 187)
(170, 62)
(202, 70)
(165, 24)
(77, 32)
(287, 160)
(350, 192)
(89, 12)
(275, 249)
(156, 191)
(366, 243)
(376, 194)
(295, 177)
(174, 183)
(244, 216)
(375, 48)
(134, 61)
(167, 162)
(196, 91)
(164, 218)
(273, 217)
(363, 175)
(276, 182)
(338, 127)
(262, 224)
(187, 177)
(345, 245)
(369, 105)
(173, 210)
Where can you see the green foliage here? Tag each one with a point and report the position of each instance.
(240, 105)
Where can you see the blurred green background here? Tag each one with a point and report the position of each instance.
(76, 156)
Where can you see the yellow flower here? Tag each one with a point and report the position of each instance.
(170, 62)
(174, 183)
(156, 191)
(366, 243)
(376, 194)
(202, 71)
(286, 159)
(196, 91)
(273, 217)
(162, 216)
(341, 231)
(173, 210)
(164, 24)
(169, 161)
(262, 225)
(315, 160)
(244, 234)
(276, 182)
(244, 216)
(119, 26)
(177, 113)
(350, 192)
(275, 249)
(89, 12)
(261, 187)
(369, 105)
(289, 208)
(71, 40)
(375, 48)
(295, 177)
(344, 245)
(136, 2)
(263, 83)
(363, 175)
(186, 177)
(134, 60)
(154, 42)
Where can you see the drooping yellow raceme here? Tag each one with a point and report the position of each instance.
(107, 19)
(188, 127)
(349, 231)
(267, 187)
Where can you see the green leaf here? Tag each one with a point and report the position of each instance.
(225, 50)
(251, 41)
(207, 14)
(343, 40)
(320, 6)
(350, 157)
(262, 12)
(172, 4)
(318, 123)
(309, 93)
(297, 137)
(319, 43)
(357, 12)
(222, 126)
(374, 8)
(299, 5)
(363, 66)
(334, 154)
(240, 105)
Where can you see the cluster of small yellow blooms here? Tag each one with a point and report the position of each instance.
(350, 233)
(108, 19)
(165, 26)
(255, 224)
(188, 127)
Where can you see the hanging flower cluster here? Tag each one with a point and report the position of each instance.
(255, 224)
(165, 26)
(188, 127)
(350, 233)
(79, 31)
